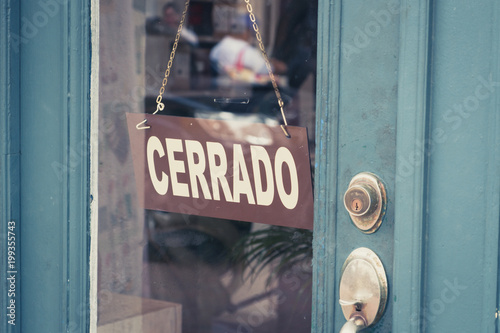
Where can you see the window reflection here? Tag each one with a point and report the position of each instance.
(165, 272)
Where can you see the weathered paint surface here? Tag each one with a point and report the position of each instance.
(462, 226)
(409, 90)
(357, 133)
(9, 168)
(54, 77)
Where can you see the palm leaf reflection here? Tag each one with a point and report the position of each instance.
(280, 248)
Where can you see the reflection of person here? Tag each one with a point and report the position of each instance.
(185, 250)
(168, 24)
(296, 39)
(235, 57)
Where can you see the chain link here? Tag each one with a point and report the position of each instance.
(255, 26)
(160, 105)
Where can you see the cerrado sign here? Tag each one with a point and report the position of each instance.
(223, 169)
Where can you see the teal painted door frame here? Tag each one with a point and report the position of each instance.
(409, 90)
(430, 69)
(463, 174)
(9, 165)
(45, 59)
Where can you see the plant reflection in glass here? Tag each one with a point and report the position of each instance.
(280, 247)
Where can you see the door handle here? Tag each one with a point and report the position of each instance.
(355, 324)
(363, 290)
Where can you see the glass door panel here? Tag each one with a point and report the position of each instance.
(170, 272)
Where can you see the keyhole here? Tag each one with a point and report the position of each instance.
(356, 205)
(358, 307)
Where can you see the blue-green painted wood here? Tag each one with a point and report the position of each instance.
(54, 165)
(367, 125)
(440, 242)
(356, 125)
(411, 162)
(324, 289)
(9, 162)
(464, 171)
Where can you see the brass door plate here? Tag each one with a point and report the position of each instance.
(366, 201)
(363, 287)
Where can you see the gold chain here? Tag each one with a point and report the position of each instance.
(268, 63)
(159, 105)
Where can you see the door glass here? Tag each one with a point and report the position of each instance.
(170, 272)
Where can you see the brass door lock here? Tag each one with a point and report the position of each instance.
(365, 200)
(363, 290)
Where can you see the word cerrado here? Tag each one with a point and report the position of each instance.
(208, 169)
(232, 170)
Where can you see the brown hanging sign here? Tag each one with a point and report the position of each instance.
(223, 169)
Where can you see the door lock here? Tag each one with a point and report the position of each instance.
(363, 290)
(365, 200)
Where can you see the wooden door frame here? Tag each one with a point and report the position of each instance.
(440, 65)
(45, 150)
(412, 133)
(10, 160)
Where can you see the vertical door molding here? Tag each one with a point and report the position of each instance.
(492, 237)
(491, 257)
(462, 233)
(490, 273)
(9, 162)
(94, 164)
(55, 173)
(327, 98)
(410, 196)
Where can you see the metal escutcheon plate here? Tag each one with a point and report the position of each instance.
(363, 286)
(367, 191)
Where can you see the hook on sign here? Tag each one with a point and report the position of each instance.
(141, 125)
